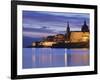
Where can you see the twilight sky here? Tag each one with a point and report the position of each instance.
(38, 24)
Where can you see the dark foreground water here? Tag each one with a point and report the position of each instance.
(53, 57)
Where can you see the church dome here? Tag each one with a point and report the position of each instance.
(85, 27)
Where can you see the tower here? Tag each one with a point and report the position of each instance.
(67, 34)
(68, 29)
(85, 27)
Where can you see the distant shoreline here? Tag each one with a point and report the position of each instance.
(68, 45)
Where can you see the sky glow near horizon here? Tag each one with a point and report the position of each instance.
(38, 24)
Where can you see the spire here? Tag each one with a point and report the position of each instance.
(67, 23)
(67, 34)
(68, 28)
(85, 22)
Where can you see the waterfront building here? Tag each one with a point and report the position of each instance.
(78, 36)
(69, 37)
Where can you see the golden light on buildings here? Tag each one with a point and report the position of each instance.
(59, 38)
(33, 44)
(85, 39)
(62, 40)
(47, 43)
(79, 36)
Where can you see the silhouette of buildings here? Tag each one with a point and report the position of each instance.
(69, 37)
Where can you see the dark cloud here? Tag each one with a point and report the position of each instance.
(44, 17)
(52, 22)
(39, 30)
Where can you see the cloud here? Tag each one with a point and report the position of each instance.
(36, 34)
(68, 14)
(52, 22)
(39, 30)
(53, 16)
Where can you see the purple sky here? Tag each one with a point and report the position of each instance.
(38, 24)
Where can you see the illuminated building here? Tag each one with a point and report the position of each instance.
(50, 38)
(59, 38)
(78, 36)
(33, 44)
(69, 37)
(48, 43)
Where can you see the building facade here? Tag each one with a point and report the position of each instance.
(69, 37)
(78, 36)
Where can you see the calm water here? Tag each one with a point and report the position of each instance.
(53, 57)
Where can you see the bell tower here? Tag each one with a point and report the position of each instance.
(67, 34)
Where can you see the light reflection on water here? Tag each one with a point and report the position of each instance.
(53, 57)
